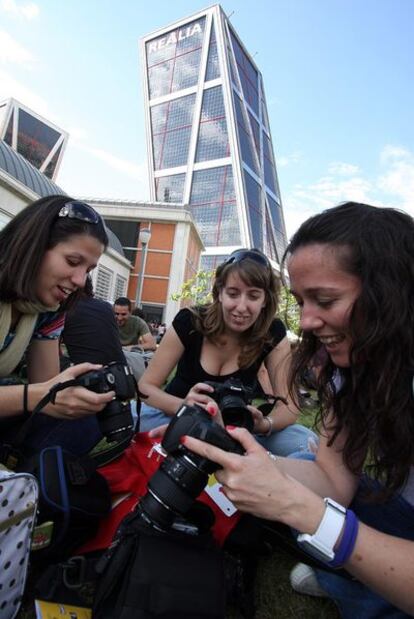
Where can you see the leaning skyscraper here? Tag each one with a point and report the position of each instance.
(208, 135)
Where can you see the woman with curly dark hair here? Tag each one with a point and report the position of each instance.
(228, 339)
(352, 272)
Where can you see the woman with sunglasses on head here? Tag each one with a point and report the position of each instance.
(225, 340)
(46, 252)
(352, 271)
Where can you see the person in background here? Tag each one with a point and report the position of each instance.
(161, 329)
(351, 270)
(228, 339)
(46, 252)
(133, 330)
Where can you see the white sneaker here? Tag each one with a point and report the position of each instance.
(303, 580)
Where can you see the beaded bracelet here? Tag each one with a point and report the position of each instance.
(348, 540)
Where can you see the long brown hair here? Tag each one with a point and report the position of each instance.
(26, 238)
(209, 318)
(375, 400)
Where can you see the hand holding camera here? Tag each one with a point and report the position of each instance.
(71, 402)
(114, 385)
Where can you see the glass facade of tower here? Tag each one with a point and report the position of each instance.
(35, 138)
(209, 142)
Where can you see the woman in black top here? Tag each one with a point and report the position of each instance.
(228, 339)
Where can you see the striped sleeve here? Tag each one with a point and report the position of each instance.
(49, 326)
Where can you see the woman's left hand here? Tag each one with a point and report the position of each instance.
(261, 426)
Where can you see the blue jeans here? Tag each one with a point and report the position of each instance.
(292, 439)
(355, 600)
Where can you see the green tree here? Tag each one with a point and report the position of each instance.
(197, 289)
(289, 310)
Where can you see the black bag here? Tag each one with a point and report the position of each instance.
(147, 574)
(73, 496)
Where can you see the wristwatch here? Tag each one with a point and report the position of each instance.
(321, 544)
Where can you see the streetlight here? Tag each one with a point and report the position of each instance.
(144, 237)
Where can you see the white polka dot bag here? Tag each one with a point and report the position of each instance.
(18, 507)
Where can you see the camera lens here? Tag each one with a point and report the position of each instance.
(115, 421)
(183, 474)
(173, 488)
(235, 413)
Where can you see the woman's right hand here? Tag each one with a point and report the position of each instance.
(72, 402)
(198, 394)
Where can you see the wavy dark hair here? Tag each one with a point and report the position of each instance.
(375, 404)
(27, 237)
(209, 318)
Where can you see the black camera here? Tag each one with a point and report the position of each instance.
(232, 398)
(183, 474)
(115, 420)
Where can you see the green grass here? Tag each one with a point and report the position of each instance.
(274, 595)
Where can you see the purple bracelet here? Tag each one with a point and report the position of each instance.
(348, 540)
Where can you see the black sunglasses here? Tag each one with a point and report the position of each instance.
(81, 211)
(247, 254)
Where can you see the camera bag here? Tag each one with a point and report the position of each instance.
(147, 574)
(239, 536)
(18, 500)
(73, 496)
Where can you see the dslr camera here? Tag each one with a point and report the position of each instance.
(181, 477)
(115, 420)
(232, 398)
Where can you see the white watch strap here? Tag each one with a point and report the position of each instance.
(328, 531)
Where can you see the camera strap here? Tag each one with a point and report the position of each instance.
(23, 431)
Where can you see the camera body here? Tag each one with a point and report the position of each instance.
(232, 398)
(115, 420)
(183, 474)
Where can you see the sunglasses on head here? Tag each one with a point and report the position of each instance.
(80, 211)
(247, 254)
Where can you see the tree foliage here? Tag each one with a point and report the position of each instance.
(197, 289)
(289, 310)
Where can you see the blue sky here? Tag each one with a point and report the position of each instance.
(338, 77)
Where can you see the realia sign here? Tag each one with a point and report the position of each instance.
(174, 37)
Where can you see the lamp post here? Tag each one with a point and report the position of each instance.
(144, 237)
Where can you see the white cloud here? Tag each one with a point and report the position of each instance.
(285, 160)
(129, 168)
(306, 200)
(392, 153)
(393, 185)
(10, 87)
(11, 51)
(342, 169)
(29, 10)
(398, 179)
